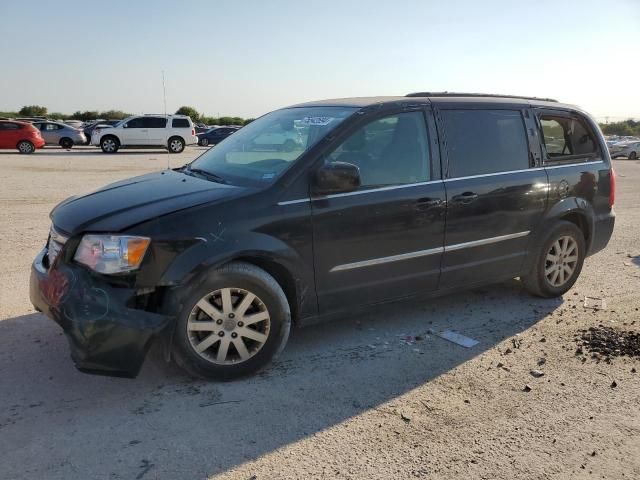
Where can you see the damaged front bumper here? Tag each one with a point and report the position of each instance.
(106, 334)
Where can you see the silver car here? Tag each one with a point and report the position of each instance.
(57, 133)
(629, 149)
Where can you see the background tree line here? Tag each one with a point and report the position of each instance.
(199, 118)
(625, 128)
(40, 111)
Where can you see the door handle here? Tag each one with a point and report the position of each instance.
(465, 198)
(425, 203)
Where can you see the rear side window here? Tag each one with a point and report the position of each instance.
(485, 141)
(9, 126)
(154, 122)
(389, 151)
(180, 123)
(566, 136)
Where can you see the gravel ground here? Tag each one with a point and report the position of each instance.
(377, 396)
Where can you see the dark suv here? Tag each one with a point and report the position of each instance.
(380, 199)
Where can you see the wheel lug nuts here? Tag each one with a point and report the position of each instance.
(219, 321)
(241, 324)
(231, 315)
(234, 335)
(221, 334)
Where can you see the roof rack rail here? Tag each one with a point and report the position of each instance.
(460, 94)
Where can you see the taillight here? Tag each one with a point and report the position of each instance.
(612, 188)
(193, 132)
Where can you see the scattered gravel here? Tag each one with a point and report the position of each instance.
(609, 342)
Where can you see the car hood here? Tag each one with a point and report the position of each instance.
(126, 203)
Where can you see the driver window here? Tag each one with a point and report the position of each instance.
(389, 151)
(135, 123)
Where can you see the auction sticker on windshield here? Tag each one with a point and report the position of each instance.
(320, 121)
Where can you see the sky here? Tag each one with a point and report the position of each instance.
(245, 58)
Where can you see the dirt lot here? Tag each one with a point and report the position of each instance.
(376, 396)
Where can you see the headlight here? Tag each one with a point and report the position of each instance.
(111, 253)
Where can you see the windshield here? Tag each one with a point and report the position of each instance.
(258, 153)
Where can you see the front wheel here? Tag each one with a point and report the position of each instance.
(633, 156)
(109, 145)
(26, 147)
(176, 145)
(558, 261)
(204, 142)
(232, 323)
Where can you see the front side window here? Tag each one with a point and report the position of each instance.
(485, 141)
(566, 136)
(135, 123)
(389, 151)
(259, 153)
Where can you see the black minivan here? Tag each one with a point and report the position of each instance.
(380, 199)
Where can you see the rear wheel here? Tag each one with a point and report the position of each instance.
(66, 143)
(204, 142)
(558, 261)
(109, 144)
(633, 156)
(26, 147)
(176, 145)
(232, 323)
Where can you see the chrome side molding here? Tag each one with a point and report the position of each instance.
(430, 251)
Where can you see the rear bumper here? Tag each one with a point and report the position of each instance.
(39, 143)
(105, 335)
(602, 231)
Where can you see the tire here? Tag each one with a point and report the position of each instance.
(240, 280)
(175, 145)
(548, 278)
(633, 156)
(204, 142)
(66, 143)
(109, 144)
(26, 147)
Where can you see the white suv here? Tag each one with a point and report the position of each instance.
(168, 131)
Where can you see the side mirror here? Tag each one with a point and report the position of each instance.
(337, 177)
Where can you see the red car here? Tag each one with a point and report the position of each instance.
(23, 136)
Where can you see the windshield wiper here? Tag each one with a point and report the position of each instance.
(206, 174)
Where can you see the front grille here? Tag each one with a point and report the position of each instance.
(55, 244)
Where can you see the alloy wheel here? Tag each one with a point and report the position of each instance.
(176, 146)
(561, 261)
(205, 142)
(228, 326)
(109, 145)
(25, 147)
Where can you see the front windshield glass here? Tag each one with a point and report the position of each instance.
(259, 152)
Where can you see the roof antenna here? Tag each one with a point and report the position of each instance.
(164, 95)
